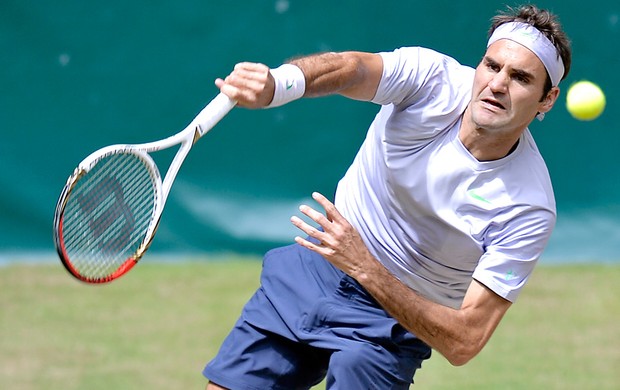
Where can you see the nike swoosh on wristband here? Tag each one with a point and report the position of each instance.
(289, 86)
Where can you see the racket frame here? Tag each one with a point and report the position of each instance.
(202, 123)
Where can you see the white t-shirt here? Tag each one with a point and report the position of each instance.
(430, 212)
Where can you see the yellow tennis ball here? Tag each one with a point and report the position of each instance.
(585, 100)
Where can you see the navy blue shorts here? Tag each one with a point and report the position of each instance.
(309, 320)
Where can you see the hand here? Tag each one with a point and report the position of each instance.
(339, 242)
(250, 84)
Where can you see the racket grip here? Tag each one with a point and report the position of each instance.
(213, 113)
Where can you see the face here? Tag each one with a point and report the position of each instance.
(507, 90)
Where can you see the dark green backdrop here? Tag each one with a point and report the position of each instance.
(77, 75)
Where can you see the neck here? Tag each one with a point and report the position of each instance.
(487, 144)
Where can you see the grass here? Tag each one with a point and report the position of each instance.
(157, 326)
(563, 333)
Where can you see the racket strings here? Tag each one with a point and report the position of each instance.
(107, 216)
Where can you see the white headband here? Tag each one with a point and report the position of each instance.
(528, 36)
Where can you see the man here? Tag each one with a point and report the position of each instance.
(436, 225)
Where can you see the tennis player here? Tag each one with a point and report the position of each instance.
(436, 225)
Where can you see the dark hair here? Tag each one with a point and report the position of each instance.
(545, 22)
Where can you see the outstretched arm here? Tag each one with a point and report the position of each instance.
(352, 74)
(457, 334)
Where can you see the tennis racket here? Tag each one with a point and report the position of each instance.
(109, 210)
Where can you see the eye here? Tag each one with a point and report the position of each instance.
(521, 78)
(493, 66)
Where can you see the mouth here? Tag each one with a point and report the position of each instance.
(492, 102)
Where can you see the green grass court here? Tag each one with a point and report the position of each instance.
(157, 326)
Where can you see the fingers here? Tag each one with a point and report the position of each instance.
(318, 248)
(328, 222)
(331, 212)
(323, 243)
(307, 228)
(330, 209)
(250, 84)
(316, 216)
(310, 232)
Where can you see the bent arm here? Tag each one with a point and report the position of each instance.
(352, 74)
(458, 334)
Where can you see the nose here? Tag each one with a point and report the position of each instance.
(499, 82)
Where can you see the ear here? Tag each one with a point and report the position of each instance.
(547, 103)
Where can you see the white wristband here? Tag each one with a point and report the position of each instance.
(290, 84)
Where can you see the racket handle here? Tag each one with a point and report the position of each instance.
(213, 113)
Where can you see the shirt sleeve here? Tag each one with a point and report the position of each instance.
(407, 71)
(403, 74)
(428, 91)
(515, 249)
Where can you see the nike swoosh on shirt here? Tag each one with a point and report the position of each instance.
(510, 275)
(474, 195)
